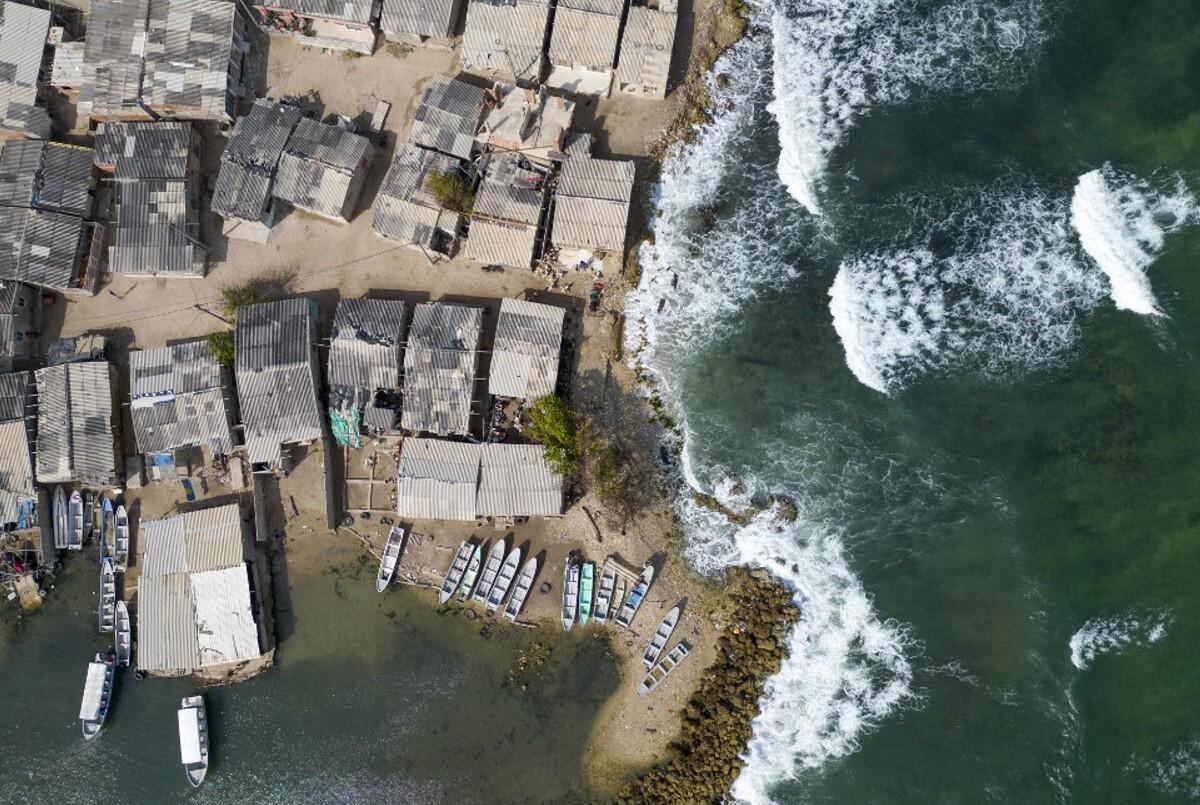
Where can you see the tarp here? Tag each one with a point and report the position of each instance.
(189, 735)
(345, 427)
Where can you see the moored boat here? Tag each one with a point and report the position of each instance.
(604, 594)
(636, 596)
(108, 595)
(121, 539)
(668, 664)
(521, 590)
(504, 580)
(75, 522)
(62, 522)
(491, 568)
(123, 639)
(107, 528)
(193, 738)
(472, 575)
(661, 635)
(389, 559)
(570, 594)
(458, 566)
(585, 592)
(97, 695)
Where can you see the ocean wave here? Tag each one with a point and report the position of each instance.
(1108, 635)
(834, 60)
(1174, 771)
(1122, 222)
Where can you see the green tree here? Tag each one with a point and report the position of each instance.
(220, 346)
(451, 191)
(553, 423)
(236, 296)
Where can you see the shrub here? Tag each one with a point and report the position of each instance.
(236, 296)
(451, 191)
(220, 346)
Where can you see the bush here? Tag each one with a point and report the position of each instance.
(451, 191)
(220, 346)
(553, 423)
(236, 296)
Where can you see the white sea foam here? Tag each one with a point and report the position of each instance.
(1122, 222)
(834, 60)
(1174, 771)
(1108, 635)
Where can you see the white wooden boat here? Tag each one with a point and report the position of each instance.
(614, 606)
(61, 520)
(97, 695)
(521, 590)
(491, 568)
(123, 640)
(472, 575)
(454, 575)
(108, 595)
(121, 540)
(570, 594)
(75, 522)
(636, 596)
(604, 594)
(193, 738)
(661, 635)
(389, 559)
(659, 672)
(89, 515)
(508, 572)
(107, 528)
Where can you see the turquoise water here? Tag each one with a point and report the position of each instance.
(988, 430)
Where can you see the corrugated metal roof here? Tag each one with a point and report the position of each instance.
(177, 399)
(145, 150)
(404, 210)
(505, 37)
(318, 169)
(351, 10)
(437, 479)
(250, 159)
(16, 470)
(646, 45)
(439, 368)
(164, 547)
(225, 627)
(75, 440)
(526, 351)
(166, 625)
(67, 68)
(507, 207)
(23, 31)
(14, 395)
(40, 248)
(157, 231)
(364, 352)
(434, 18)
(195, 541)
(448, 117)
(516, 481)
(585, 33)
(591, 207)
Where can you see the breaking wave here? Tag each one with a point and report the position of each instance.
(1100, 636)
(837, 59)
(1122, 222)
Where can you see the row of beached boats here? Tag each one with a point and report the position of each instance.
(75, 519)
(490, 579)
(583, 600)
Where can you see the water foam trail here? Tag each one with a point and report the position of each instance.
(1100, 636)
(835, 60)
(1122, 223)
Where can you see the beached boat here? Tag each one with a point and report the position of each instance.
(636, 596)
(389, 559)
(454, 575)
(469, 578)
(586, 579)
(661, 635)
(123, 638)
(504, 580)
(97, 694)
(106, 528)
(62, 528)
(121, 539)
(659, 672)
(614, 606)
(75, 522)
(193, 738)
(491, 568)
(570, 594)
(604, 594)
(521, 590)
(108, 595)
(89, 515)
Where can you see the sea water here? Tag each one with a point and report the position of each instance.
(930, 274)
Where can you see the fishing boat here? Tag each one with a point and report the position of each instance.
(108, 595)
(454, 575)
(604, 594)
(661, 635)
(614, 606)
(659, 672)
(468, 580)
(586, 574)
(491, 568)
(389, 559)
(89, 515)
(570, 594)
(106, 528)
(97, 695)
(123, 640)
(636, 595)
(75, 522)
(508, 572)
(193, 738)
(521, 590)
(61, 521)
(121, 540)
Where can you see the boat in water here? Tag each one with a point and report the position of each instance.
(508, 572)
(454, 575)
(75, 522)
(521, 590)
(604, 594)
(107, 528)
(108, 595)
(659, 672)
(468, 580)
(570, 594)
(389, 559)
(193, 738)
(123, 638)
(97, 694)
(491, 569)
(636, 596)
(661, 635)
(62, 528)
(121, 539)
(586, 583)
